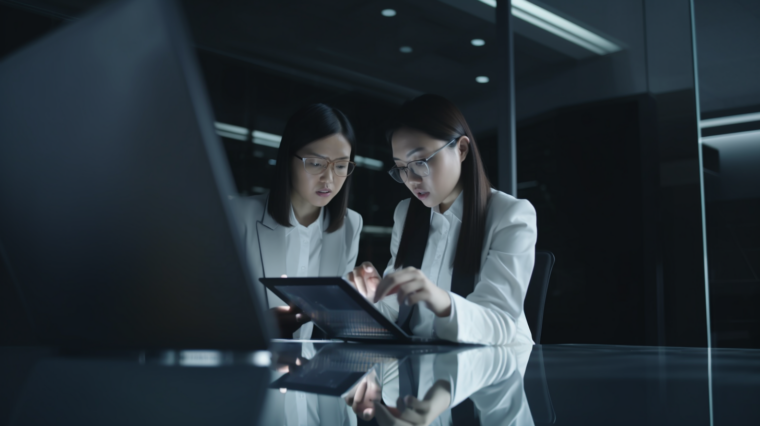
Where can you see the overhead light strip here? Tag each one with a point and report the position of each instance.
(733, 119)
(273, 141)
(560, 26)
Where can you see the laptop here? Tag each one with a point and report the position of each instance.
(115, 225)
(334, 305)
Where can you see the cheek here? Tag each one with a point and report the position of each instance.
(339, 182)
(451, 170)
(301, 180)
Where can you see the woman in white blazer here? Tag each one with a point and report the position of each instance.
(303, 226)
(462, 253)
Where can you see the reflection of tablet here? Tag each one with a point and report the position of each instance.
(333, 383)
(335, 306)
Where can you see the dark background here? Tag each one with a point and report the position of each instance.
(607, 146)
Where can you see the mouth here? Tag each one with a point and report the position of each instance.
(421, 194)
(324, 192)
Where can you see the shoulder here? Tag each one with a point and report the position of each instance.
(506, 209)
(354, 219)
(251, 207)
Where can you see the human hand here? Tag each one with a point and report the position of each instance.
(289, 319)
(365, 279)
(412, 287)
(410, 411)
(364, 395)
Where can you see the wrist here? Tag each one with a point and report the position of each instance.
(444, 306)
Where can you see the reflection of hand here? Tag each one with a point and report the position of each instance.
(413, 287)
(365, 278)
(363, 397)
(411, 411)
(286, 363)
(289, 319)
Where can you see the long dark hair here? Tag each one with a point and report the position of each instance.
(307, 125)
(441, 119)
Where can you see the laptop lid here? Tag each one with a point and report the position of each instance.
(115, 225)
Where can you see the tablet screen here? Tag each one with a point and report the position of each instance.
(330, 307)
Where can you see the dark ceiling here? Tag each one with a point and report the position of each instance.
(349, 44)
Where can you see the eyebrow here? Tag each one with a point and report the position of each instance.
(410, 153)
(309, 153)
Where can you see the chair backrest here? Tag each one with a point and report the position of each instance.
(537, 289)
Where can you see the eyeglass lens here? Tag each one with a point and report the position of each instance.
(316, 166)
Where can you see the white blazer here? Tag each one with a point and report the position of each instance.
(493, 313)
(265, 250)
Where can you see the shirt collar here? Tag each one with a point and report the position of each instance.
(319, 223)
(455, 209)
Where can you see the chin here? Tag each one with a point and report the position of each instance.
(430, 203)
(320, 202)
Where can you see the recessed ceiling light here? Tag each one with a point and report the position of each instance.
(482, 79)
(478, 42)
(405, 49)
(388, 13)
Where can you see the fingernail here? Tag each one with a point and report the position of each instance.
(408, 399)
(368, 268)
(367, 414)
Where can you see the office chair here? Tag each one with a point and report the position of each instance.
(537, 289)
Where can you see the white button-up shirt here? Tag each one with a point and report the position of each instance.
(304, 250)
(439, 265)
(493, 312)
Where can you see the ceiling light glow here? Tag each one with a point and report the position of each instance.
(388, 13)
(560, 26)
(369, 163)
(405, 49)
(478, 42)
(732, 119)
(482, 79)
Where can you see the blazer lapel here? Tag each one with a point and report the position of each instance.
(272, 246)
(331, 262)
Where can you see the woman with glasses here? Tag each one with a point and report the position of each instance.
(303, 227)
(462, 252)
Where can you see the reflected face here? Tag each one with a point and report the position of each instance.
(318, 190)
(445, 167)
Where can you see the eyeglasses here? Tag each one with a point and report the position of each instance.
(418, 167)
(317, 165)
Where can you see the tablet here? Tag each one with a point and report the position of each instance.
(334, 305)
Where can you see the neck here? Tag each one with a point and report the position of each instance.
(449, 200)
(305, 212)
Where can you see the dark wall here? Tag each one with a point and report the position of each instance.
(586, 165)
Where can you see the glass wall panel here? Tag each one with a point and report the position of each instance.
(607, 150)
(729, 94)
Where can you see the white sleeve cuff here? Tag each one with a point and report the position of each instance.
(447, 328)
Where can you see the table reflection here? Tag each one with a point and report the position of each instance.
(351, 384)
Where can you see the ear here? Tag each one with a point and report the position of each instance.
(463, 148)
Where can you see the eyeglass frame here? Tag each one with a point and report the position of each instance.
(400, 169)
(330, 163)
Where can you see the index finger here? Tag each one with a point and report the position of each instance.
(391, 283)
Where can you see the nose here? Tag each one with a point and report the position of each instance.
(413, 177)
(327, 174)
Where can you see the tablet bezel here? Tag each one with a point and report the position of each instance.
(273, 283)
